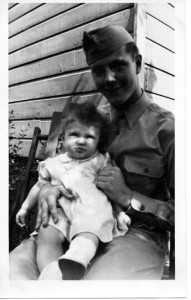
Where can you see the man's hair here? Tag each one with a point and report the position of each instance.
(87, 114)
(132, 49)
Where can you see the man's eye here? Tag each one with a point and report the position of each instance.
(97, 71)
(118, 66)
(73, 134)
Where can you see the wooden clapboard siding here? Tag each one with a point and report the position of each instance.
(159, 54)
(159, 82)
(21, 9)
(24, 129)
(160, 33)
(161, 11)
(44, 108)
(24, 147)
(68, 40)
(10, 5)
(56, 86)
(159, 57)
(58, 64)
(35, 17)
(63, 22)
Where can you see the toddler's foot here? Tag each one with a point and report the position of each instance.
(71, 269)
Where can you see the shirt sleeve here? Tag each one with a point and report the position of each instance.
(162, 212)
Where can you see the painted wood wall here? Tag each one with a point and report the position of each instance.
(47, 65)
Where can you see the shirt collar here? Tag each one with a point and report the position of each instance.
(134, 112)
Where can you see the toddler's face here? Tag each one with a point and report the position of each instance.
(80, 140)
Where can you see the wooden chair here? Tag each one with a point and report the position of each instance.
(50, 151)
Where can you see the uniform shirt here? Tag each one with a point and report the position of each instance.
(143, 148)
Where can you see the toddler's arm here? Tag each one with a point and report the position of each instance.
(28, 204)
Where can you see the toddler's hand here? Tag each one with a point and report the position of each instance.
(123, 220)
(21, 216)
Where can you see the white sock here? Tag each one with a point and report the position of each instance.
(82, 249)
(74, 262)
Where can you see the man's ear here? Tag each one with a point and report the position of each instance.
(138, 63)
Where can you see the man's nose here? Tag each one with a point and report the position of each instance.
(110, 76)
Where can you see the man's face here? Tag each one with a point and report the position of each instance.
(116, 77)
(81, 140)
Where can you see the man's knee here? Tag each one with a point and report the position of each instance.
(22, 261)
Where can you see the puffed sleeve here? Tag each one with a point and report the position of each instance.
(44, 174)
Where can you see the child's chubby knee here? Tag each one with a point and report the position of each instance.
(49, 233)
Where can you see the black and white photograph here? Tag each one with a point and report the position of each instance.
(94, 106)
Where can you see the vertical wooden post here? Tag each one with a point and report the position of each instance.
(140, 36)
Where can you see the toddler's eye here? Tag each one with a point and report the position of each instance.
(89, 136)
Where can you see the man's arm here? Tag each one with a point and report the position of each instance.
(112, 182)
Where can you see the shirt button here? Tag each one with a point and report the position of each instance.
(146, 170)
(142, 208)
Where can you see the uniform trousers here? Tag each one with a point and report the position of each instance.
(138, 255)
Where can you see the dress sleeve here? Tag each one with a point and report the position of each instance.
(44, 174)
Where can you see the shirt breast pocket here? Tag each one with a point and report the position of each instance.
(144, 166)
(145, 175)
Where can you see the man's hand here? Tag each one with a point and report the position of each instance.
(47, 203)
(112, 182)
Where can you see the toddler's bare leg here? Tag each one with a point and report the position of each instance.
(49, 247)
(74, 262)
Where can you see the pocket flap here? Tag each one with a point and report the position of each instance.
(145, 166)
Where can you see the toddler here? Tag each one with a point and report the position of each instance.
(88, 218)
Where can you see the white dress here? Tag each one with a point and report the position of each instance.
(90, 211)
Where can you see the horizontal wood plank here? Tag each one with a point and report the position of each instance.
(162, 11)
(160, 33)
(57, 86)
(73, 18)
(37, 16)
(159, 82)
(70, 61)
(21, 9)
(25, 129)
(22, 147)
(10, 5)
(44, 108)
(68, 40)
(159, 57)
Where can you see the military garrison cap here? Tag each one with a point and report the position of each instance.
(100, 42)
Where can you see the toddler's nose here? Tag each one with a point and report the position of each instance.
(81, 140)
